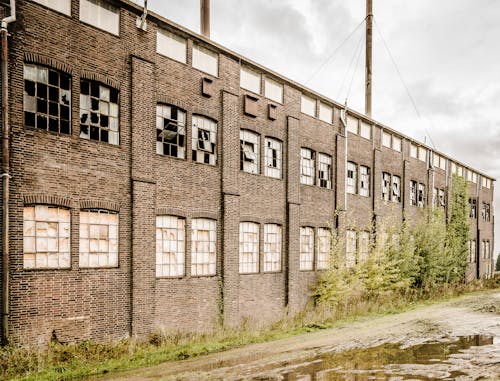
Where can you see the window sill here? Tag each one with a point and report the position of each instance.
(39, 130)
(170, 277)
(250, 173)
(98, 268)
(103, 30)
(46, 269)
(172, 59)
(119, 146)
(254, 273)
(171, 157)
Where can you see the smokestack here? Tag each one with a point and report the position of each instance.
(205, 17)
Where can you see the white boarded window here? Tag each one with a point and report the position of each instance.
(364, 246)
(352, 177)
(365, 130)
(474, 177)
(364, 181)
(249, 247)
(250, 80)
(249, 151)
(100, 14)
(170, 246)
(442, 163)
(273, 90)
(435, 160)
(323, 248)
(171, 45)
(203, 246)
(396, 143)
(422, 154)
(469, 175)
(272, 248)
(413, 150)
(460, 171)
(46, 237)
(272, 158)
(350, 252)
(453, 168)
(306, 248)
(63, 6)
(307, 166)
(308, 105)
(325, 113)
(324, 171)
(205, 60)
(386, 139)
(98, 238)
(204, 140)
(352, 124)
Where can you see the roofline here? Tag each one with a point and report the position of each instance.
(163, 20)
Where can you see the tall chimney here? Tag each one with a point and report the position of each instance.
(205, 17)
(368, 66)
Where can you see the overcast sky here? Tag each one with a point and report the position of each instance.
(447, 51)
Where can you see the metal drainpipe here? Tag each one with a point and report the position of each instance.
(5, 169)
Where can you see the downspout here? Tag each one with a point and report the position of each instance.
(5, 169)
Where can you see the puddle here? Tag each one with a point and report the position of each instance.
(427, 361)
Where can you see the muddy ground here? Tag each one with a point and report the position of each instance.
(460, 339)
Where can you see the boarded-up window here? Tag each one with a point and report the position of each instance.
(413, 150)
(352, 124)
(396, 143)
(203, 246)
(273, 90)
(250, 80)
(364, 246)
(351, 248)
(171, 45)
(325, 113)
(205, 60)
(308, 105)
(249, 247)
(323, 248)
(422, 154)
(386, 139)
(170, 246)
(272, 248)
(100, 14)
(306, 248)
(63, 6)
(365, 130)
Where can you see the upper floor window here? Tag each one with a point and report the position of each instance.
(422, 154)
(352, 124)
(324, 171)
(472, 208)
(249, 151)
(386, 184)
(439, 197)
(421, 195)
(205, 60)
(364, 246)
(325, 113)
(100, 14)
(308, 105)
(307, 166)
(203, 246)
(63, 6)
(273, 90)
(249, 247)
(396, 189)
(323, 248)
(352, 177)
(272, 248)
(250, 80)
(46, 237)
(386, 139)
(396, 143)
(365, 130)
(171, 45)
(485, 182)
(272, 158)
(306, 248)
(204, 140)
(98, 112)
(472, 251)
(47, 99)
(170, 131)
(170, 246)
(413, 193)
(364, 181)
(485, 212)
(413, 151)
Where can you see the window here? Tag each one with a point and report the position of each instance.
(460, 171)
(63, 6)
(486, 249)
(453, 168)
(485, 182)
(396, 189)
(352, 177)
(442, 163)
(273, 90)
(204, 140)
(469, 175)
(203, 252)
(386, 139)
(441, 198)
(250, 80)
(386, 183)
(323, 248)
(47, 99)
(46, 237)
(170, 131)
(350, 255)
(100, 14)
(325, 113)
(98, 112)
(170, 246)
(364, 181)
(435, 160)
(364, 246)
(485, 212)
(249, 247)
(365, 130)
(413, 150)
(272, 248)
(422, 154)
(308, 105)
(413, 193)
(474, 177)
(421, 195)
(473, 208)
(249, 151)
(324, 171)
(205, 60)
(171, 45)
(272, 158)
(98, 238)
(306, 248)
(472, 251)
(307, 166)
(396, 143)
(352, 124)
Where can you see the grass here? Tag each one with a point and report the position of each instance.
(73, 361)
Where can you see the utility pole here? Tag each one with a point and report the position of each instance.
(205, 17)
(368, 58)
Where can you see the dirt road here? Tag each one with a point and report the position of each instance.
(304, 357)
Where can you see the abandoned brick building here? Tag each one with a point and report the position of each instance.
(161, 181)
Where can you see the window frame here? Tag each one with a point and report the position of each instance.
(179, 255)
(308, 105)
(163, 118)
(210, 129)
(99, 4)
(176, 39)
(252, 256)
(324, 167)
(364, 178)
(269, 170)
(272, 259)
(208, 261)
(323, 248)
(204, 66)
(306, 257)
(250, 73)
(270, 86)
(307, 166)
(352, 182)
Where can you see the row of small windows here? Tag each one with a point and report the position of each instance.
(250, 154)
(358, 184)
(308, 174)
(485, 210)
(249, 248)
(308, 107)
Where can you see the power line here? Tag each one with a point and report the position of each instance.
(358, 46)
(353, 74)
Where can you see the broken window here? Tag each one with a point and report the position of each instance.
(98, 238)
(171, 45)
(307, 166)
(323, 248)
(364, 181)
(441, 198)
(272, 248)
(46, 237)
(421, 195)
(306, 248)
(364, 246)
(250, 80)
(386, 183)
(170, 246)
(272, 158)
(351, 248)
(473, 208)
(324, 171)
(204, 140)
(485, 212)
(352, 177)
(47, 99)
(170, 131)
(249, 151)
(203, 246)
(396, 189)
(100, 14)
(413, 193)
(63, 6)
(273, 90)
(249, 247)
(98, 112)
(205, 60)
